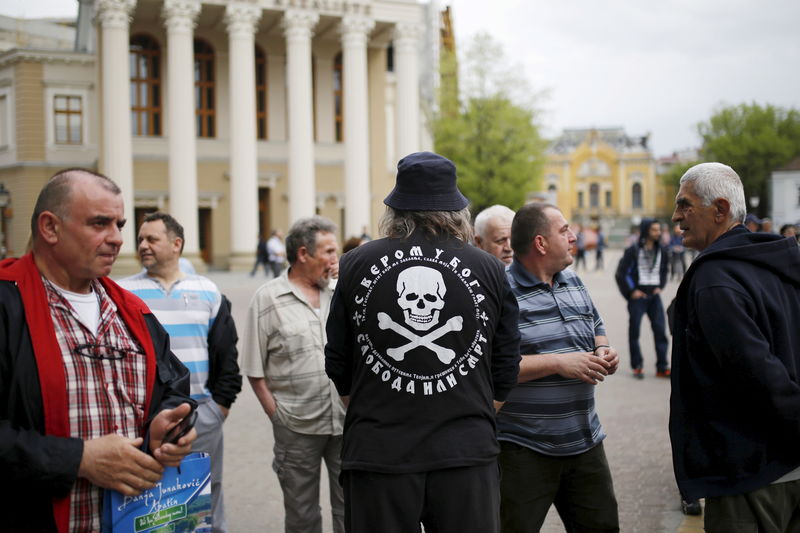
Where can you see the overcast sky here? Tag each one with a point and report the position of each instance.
(657, 67)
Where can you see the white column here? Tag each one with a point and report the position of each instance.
(624, 191)
(179, 18)
(241, 20)
(114, 20)
(406, 69)
(298, 25)
(356, 123)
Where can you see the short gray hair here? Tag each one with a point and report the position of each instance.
(304, 233)
(715, 180)
(400, 224)
(495, 211)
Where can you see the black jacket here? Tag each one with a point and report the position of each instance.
(422, 335)
(36, 467)
(627, 274)
(735, 404)
(224, 379)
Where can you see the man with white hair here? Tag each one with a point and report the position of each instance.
(735, 404)
(493, 232)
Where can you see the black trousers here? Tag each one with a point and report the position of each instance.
(580, 486)
(453, 500)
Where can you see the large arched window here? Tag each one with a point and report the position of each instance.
(145, 70)
(261, 93)
(594, 195)
(636, 196)
(204, 94)
(338, 94)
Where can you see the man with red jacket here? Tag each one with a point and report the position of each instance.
(87, 381)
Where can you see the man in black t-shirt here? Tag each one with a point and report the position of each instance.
(423, 344)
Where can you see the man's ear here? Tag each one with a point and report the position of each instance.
(722, 209)
(49, 225)
(302, 254)
(478, 240)
(177, 243)
(540, 244)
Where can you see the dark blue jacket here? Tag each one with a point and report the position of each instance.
(627, 274)
(735, 404)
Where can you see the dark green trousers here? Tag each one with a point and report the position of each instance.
(579, 486)
(770, 509)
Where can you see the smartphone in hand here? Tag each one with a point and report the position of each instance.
(181, 428)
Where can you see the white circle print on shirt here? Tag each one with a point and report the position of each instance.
(422, 327)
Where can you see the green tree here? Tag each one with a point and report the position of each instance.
(490, 133)
(754, 140)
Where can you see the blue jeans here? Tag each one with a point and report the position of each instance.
(637, 308)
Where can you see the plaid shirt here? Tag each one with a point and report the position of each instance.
(106, 387)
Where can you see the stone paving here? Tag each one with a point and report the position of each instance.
(634, 414)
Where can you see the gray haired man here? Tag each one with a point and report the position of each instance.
(735, 403)
(282, 356)
(493, 232)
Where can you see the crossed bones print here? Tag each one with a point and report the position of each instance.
(445, 355)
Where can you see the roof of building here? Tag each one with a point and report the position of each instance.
(614, 137)
(794, 164)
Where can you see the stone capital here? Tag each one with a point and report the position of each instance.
(180, 14)
(406, 36)
(241, 18)
(299, 23)
(356, 24)
(114, 13)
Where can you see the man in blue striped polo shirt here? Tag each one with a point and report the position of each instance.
(202, 335)
(549, 432)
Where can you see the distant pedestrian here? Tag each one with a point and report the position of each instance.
(580, 248)
(735, 404)
(276, 252)
(677, 254)
(601, 246)
(550, 436)
(262, 257)
(752, 222)
(641, 275)
(790, 230)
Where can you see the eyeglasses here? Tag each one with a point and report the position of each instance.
(103, 351)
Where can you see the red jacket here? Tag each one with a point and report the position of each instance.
(38, 458)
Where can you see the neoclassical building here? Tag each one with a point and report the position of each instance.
(236, 116)
(604, 176)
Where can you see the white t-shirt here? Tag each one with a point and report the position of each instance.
(86, 305)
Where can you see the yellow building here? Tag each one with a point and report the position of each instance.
(604, 177)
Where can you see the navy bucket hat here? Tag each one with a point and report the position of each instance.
(426, 182)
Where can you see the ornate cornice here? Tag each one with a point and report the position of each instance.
(114, 13)
(339, 7)
(242, 17)
(180, 15)
(299, 23)
(50, 56)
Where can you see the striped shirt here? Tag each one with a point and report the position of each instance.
(186, 310)
(552, 415)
